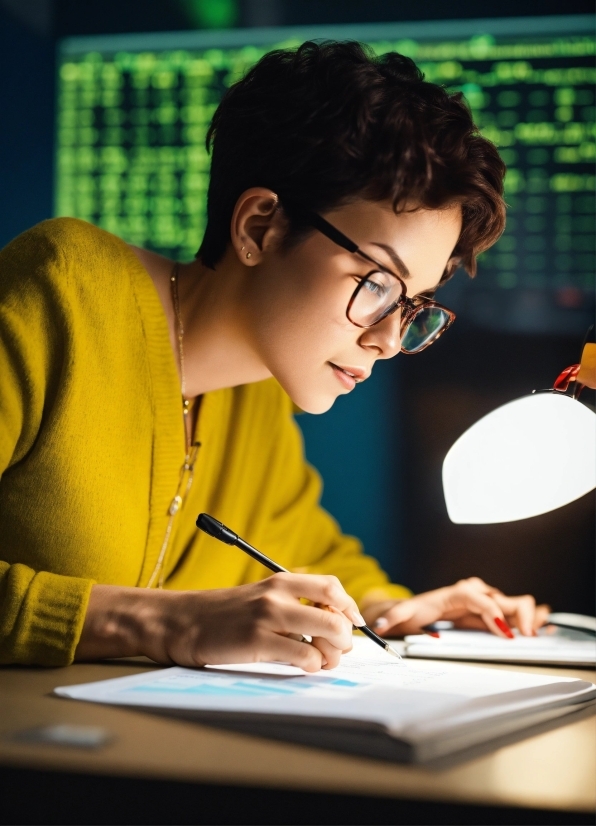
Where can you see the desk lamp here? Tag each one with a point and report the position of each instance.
(527, 457)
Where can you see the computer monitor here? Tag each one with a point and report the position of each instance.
(133, 111)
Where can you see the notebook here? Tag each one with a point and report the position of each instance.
(554, 645)
(412, 711)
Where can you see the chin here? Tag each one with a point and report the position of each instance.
(315, 403)
(314, 396)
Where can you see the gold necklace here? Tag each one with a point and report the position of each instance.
(186, 404)
(187, 470)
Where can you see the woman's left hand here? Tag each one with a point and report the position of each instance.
(470, 603)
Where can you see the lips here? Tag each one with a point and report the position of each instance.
(349, 376)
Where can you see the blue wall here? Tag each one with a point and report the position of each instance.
(26, 136)
(356, 448)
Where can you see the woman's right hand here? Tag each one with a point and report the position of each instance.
(260, 622)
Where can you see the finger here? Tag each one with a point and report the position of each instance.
(470, 622)
(476, 582)
(480, 585)
(326, 590)
(277, 648)
(405, 617)
(337, 611)
(331, 654)
(519, 610)
(466, 599)
(284, 617)
(541, 616)
(488, 609)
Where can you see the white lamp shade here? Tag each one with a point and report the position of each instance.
(527, 457)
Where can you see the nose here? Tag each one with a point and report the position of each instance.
(384, 337)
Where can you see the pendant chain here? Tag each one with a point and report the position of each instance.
(187, 470)
(186, 404)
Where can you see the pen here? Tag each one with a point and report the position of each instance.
(218, 530)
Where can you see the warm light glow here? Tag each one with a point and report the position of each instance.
(527, 457)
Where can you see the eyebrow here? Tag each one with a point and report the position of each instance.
(398, 263)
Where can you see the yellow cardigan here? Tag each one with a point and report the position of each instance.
(92, 443)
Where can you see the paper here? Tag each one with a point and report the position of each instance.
(179, 682)
(560, 647)
(412, 711)
(365, 685)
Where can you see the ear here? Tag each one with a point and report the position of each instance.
(257, 225)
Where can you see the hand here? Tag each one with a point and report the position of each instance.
(251, 623)
(470, 603)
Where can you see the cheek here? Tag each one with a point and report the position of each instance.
(301, 333)
(298, 331)
(299, 308)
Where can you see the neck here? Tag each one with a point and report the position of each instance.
(217, 348)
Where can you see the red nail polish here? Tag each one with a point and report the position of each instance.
(433, 634)
(502, 626)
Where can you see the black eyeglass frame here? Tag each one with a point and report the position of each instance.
(410, 306)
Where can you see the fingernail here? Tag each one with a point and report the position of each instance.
(502, 626)
(433, 634)
(381, 622)
(355, 617)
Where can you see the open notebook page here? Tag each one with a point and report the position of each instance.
(367, 686)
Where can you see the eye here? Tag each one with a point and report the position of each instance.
(374, 288)
(377, 284)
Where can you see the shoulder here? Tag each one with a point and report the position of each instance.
(60, 252)
(60, 237)
(58, 246)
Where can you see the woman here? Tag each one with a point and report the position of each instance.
(137, 392)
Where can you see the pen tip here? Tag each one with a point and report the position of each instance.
(392, 651)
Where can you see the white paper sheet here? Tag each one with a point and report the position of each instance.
(564, 648)
(366, 686)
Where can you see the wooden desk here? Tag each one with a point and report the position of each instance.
(553, 771)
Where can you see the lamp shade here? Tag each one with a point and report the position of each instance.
(525, 458)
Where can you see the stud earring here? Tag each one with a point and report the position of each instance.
(249, 254)
(241, 248)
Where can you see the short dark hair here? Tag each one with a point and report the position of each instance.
(326, 123)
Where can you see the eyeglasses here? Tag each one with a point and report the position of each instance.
(381, 292)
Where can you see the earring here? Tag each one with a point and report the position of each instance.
(249, 254)
(241, 248)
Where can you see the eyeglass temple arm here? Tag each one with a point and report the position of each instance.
(325, 227)
(313, 219)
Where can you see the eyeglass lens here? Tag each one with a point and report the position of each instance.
(423, 329)
(376, 294)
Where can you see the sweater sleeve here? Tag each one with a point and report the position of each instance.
(308, 537)
(41, 612)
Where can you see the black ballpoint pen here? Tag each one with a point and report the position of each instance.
(218, 530)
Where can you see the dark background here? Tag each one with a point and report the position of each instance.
(378, 471)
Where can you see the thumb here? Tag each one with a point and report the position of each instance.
(396, 615)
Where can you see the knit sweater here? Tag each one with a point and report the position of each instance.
(92, 443)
